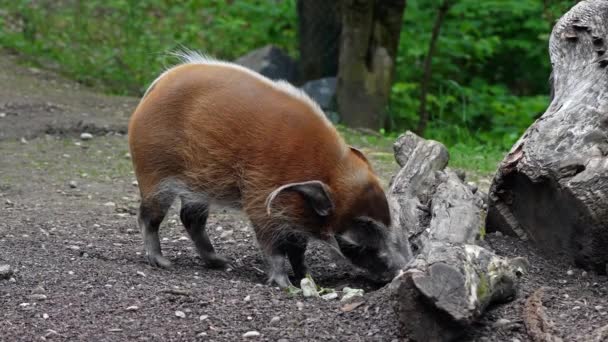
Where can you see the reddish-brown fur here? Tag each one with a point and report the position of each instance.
(213, 132)
(228, 134)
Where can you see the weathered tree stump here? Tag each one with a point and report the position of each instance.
(430, 201)
(448, 286)
(552, 187)
(450, 280)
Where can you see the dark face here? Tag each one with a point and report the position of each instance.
(369, 245)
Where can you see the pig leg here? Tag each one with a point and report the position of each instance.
(275, 256)
(151, 214)
(194, 217)
(295, 247)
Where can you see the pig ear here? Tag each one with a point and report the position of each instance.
(316, 194)
(365, 232)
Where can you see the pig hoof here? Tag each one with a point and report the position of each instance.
(216, 261)
(281, 281)
(158, 260)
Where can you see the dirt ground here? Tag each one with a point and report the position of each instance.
(68, 230)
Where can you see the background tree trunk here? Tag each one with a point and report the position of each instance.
(428, 63)
(319, 26)
(552, 188)
(369, 42)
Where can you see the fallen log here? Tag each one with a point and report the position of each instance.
(450, 281)
(552, 187)
(449, 286)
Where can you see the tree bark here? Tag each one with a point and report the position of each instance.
(448, 287)
(369, 42)
(428, 63)
(319, 26)
(450, 281)
(552, 187)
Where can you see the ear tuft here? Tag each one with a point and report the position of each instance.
(359, 154)
(316, 194)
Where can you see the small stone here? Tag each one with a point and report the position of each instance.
(140, 273)
(201, 334)
(132, 308)
(128, 155)
(275, 319)
(12, 280)
(348, 293)
(576, 308)
(249, 318)
(570, 272)
(251, 334)
(8, 202)
(180, 314)
(86, 136)
(226, 234)
(23, 140)
(330, 296)
(38, 296)
(45, 316)
(74, 248)
(246, 299)
(134, 183)
(598, 307)
(71, 272)
(584, 274)
(300, 305)
(203, 317)
(498, 234)
(73, 184)
(501, 323)
(5, 271)
(2, 115)
(109, 204)
(38, 289)
(23, 305)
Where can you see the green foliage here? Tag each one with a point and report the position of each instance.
(122, 44)
(490, 72)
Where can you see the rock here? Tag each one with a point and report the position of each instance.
(271, 62)
(323, 91)
(251, 334)
(275, 319)
(180, 314)
(86, 136)
(570, 272)
(5, 271)
(300, 305)
(141, 274)
(23, 140)
(45, 316)
(133, 308)
(348, 293)
(550, 187)
(203, 317)
(226, 234)
(73, 184)
(37, 296)
(309, 288)
(502, 322)
(330, 296)
(109, 204)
